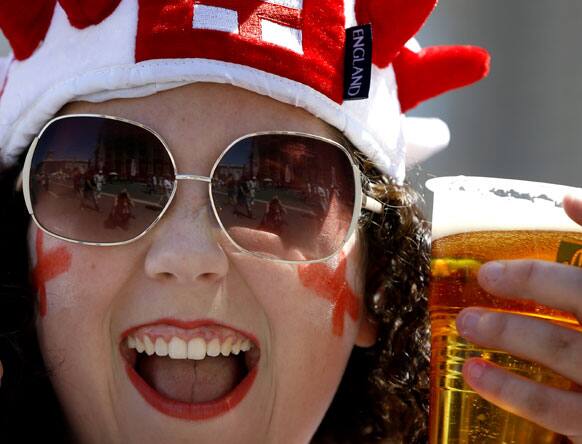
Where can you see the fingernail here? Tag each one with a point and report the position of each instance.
(492, 271)
(475, 370)
(468, 321)
(575, 196)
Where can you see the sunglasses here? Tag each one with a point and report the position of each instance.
(284, 196)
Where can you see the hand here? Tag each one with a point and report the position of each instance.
(556, 347)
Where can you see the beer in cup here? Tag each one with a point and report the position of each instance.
(476, 220)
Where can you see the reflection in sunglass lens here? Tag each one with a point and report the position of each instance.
(99, 180)
(285, 196)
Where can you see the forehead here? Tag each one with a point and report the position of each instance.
(200, 120)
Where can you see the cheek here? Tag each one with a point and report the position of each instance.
(325, 297)
(50, 264)
(79, 280)
(332, 285)
(311, 313)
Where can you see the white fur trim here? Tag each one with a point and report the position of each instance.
(63, 54)
(424, 138)
(4, 66)
(350, 14)
(380, 115)
(146, 78)
(413, 45)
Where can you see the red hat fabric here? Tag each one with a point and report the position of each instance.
(290, 50)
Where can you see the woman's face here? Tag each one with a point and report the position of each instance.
(184, 285)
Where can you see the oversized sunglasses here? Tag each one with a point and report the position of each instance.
(284, 196)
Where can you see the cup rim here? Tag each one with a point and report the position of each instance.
(482, 184)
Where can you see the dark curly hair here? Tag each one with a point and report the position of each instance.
(26, 392)
(383, 396)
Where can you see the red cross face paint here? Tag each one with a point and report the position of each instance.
(49, 265)
(332, 285)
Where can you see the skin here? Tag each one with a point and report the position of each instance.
(49, 265)
(186, 269)
(332, 285)
(558, 348)
(187, 273)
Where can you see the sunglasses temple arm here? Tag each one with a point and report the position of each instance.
(24, 179)
(18, 187)
(371, 204)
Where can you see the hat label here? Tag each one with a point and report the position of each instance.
(358, 62)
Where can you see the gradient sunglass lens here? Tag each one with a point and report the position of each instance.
(285, 196)
(99, 180)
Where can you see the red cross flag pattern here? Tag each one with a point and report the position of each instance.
(272, 21)
(300, 40)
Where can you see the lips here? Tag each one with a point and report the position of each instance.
(190, 370)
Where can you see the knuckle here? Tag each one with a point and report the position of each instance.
(528, 273)
(532, 402)
(577, 309)
(537, 404)
(568, 421)
(559, 344)
(564, 347)
(574, 275)
(495, 325)
(500, 387)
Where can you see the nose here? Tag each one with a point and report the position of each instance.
(184, 247)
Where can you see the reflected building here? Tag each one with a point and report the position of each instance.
(135, 161)
(61, 166)
(223, 171)
(292, 166)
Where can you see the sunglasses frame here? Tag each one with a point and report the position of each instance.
(361, 199)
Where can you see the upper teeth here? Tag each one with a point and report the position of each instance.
(196, 348)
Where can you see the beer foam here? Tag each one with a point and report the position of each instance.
(468, 204)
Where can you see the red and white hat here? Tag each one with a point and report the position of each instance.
(307, 53)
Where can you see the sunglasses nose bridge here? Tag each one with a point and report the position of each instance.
(193, 177)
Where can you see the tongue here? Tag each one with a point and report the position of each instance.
(191, 381)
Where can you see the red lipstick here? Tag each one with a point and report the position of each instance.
(176, 408)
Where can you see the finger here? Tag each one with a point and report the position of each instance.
(548, 283)
(264, 242)
(533, 339)
(573, 208)
(551, 408)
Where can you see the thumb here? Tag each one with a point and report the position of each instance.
(573, 208)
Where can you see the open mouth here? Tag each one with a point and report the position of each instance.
(190, 372)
